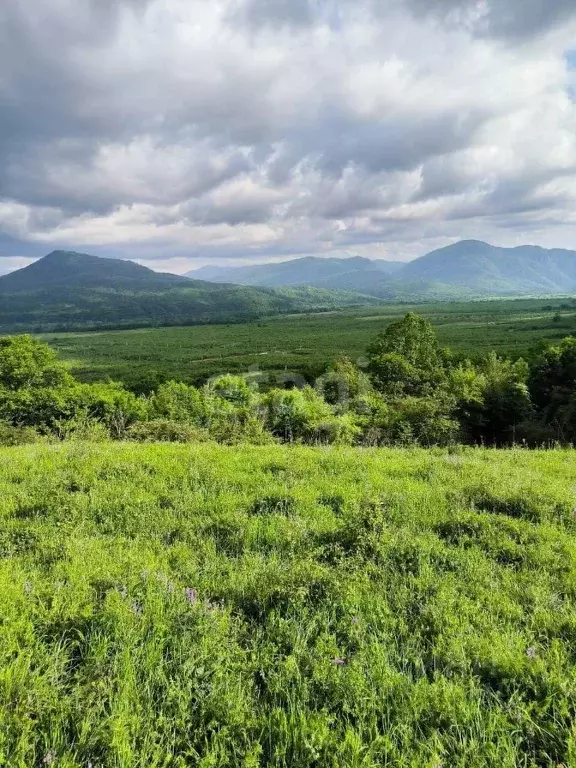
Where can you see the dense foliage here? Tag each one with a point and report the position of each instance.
(412, 391)
(274, 607)
(307, 343)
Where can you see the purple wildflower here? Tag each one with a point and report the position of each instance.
(191, 595)
(338, 662)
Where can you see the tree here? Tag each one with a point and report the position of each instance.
(405, 359)
(26, 363)
(552, 384)
(343, 383)
(492, 399)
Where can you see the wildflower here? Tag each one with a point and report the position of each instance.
(338, 662)
(531, 652)
(355, 620)
(191, 595)
(49, 758)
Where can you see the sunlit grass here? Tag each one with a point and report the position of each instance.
(286, 606)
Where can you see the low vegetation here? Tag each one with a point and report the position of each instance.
(286, 606)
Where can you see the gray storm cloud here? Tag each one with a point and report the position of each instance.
(181, 129)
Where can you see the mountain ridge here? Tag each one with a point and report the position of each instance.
(473, 267)
(70, 290)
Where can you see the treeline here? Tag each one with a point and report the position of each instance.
(411, 392)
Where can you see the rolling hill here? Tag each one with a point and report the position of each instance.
(465, 269)
(68, 290)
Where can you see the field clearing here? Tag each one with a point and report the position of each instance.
(306, 343)
(286, 606)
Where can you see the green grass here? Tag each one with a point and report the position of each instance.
(445, 583)
(306, 343)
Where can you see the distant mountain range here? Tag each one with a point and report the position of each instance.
(310, 270)
(468, 268)
(68, 290)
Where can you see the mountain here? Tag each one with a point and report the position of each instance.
(68, 290)
(466, 269)
(488, 270)
(70, 269)
(369, 277)
(310, 270)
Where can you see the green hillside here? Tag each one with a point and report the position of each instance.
(69, 290)
(488, 270)
(286, 607)
(465, 269)
(310, 270)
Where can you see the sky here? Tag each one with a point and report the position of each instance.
(180, 133)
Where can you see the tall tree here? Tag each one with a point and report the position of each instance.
(405, 359)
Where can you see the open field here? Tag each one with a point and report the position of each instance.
(282, 606)
(306, 343)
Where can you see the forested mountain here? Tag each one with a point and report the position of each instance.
(467, 268)
(76, 290)
(487, 269)
(81, 270)
(310, 270)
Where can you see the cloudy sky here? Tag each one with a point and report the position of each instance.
(186, 132)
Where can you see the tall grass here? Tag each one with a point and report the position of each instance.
(283, 606)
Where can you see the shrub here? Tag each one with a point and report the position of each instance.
(165, 431)
(296, 415)
(10, 435)
(176, 401)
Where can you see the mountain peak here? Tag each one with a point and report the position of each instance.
(60, 269)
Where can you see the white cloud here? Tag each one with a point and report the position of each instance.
(180, 129)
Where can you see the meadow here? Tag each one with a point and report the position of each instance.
(170, 606)
(306, 343)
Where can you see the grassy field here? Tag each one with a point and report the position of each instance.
(171, 606)
(306, 343)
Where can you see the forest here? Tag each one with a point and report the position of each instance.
(410, 390)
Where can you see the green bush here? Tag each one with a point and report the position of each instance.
(10, 435)
(165, 431)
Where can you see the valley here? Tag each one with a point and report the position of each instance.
(307, 343)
